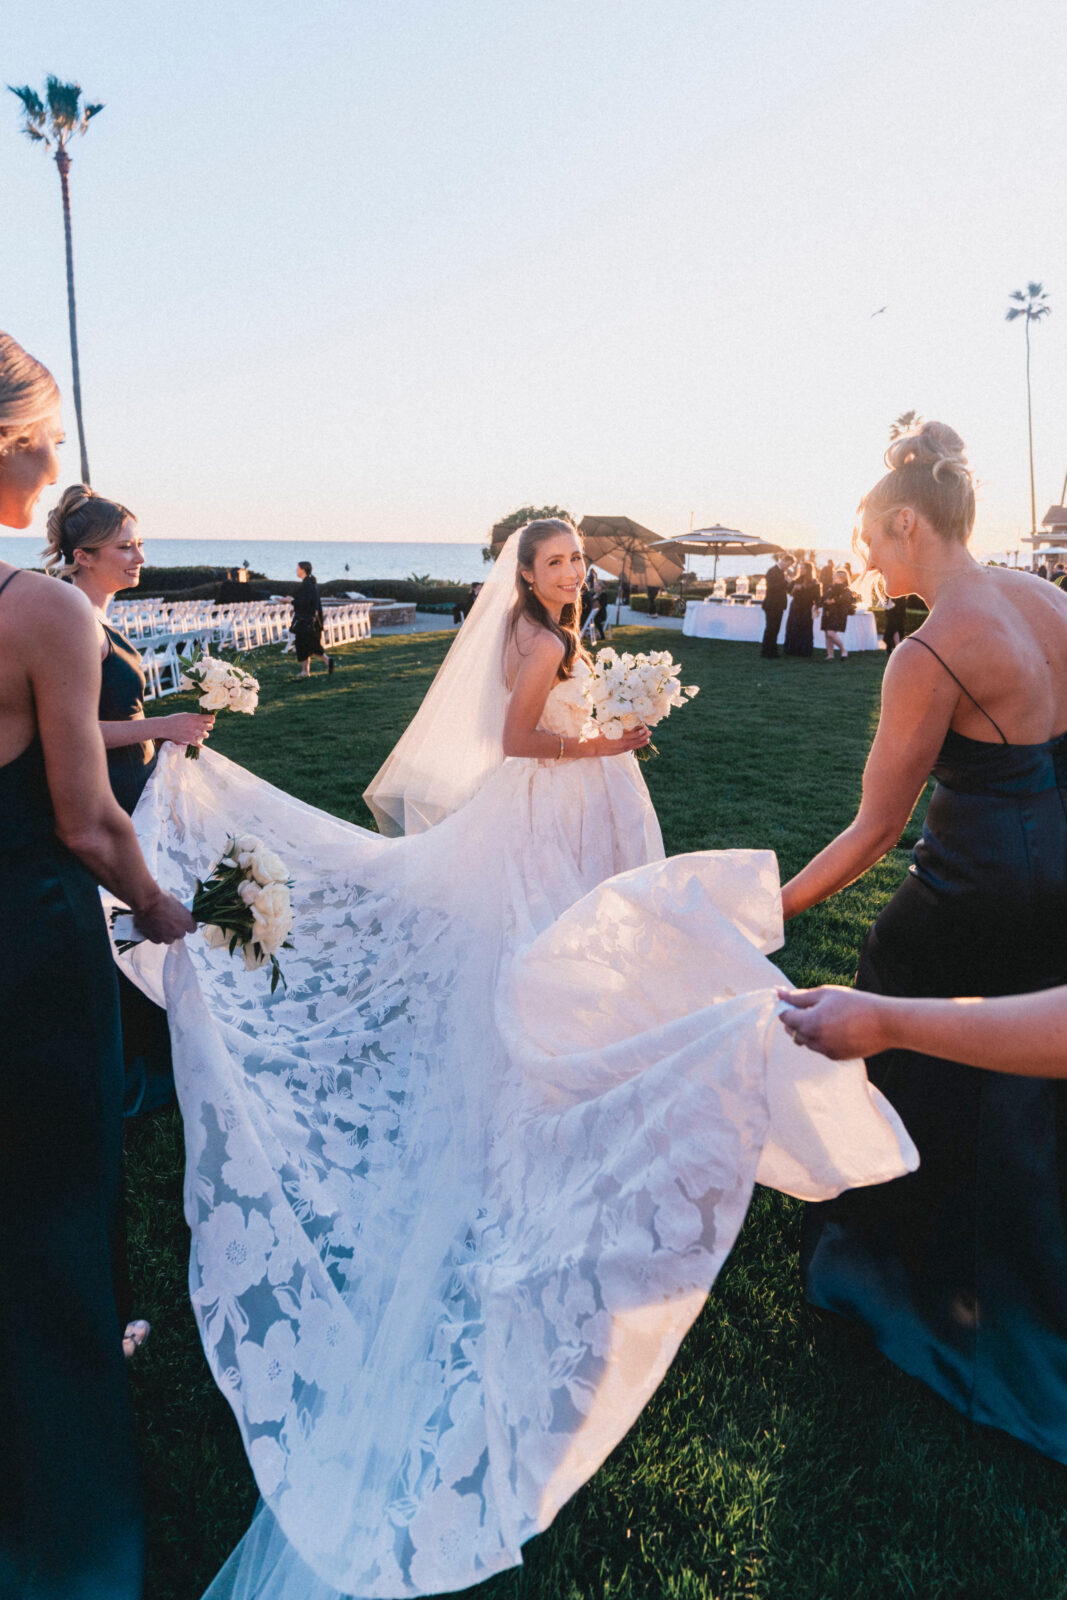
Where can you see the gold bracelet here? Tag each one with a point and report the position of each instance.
(560, 757)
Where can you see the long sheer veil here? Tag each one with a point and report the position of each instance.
(455, 739)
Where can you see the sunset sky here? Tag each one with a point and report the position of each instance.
(389, 269)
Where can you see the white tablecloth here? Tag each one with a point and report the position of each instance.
(717, 620)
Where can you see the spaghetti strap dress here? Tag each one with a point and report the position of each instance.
(145, 1036)
(129, 766)
(70, 1523)
(959, 1270)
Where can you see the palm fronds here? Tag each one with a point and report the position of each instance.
(56, 118)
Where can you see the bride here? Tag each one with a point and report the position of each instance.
(457, 1193)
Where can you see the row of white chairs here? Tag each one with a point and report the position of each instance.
(240, 628)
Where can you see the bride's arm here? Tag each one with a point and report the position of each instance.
(538, 670)
(918, 700)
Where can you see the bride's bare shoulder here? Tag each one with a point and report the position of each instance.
(530, 641)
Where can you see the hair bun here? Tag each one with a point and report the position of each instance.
(70, 500)
(935, 445)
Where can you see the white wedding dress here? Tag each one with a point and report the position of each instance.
(457, 1193)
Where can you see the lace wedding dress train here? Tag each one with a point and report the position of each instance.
(457, 1193)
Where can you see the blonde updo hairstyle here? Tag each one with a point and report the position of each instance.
(83, 520)
(928, 471)
(527, 604)
(28, 394)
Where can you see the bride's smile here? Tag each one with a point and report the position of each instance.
(557, 572)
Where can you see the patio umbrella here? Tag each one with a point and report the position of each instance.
(719, 541)
(626, 550)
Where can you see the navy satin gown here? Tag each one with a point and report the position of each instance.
(145, 1036)
(959, 1270)
(70, 1523)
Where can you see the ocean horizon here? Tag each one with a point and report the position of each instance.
(362, 560)
(341, 558)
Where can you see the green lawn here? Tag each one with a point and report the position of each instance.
(781, 1458)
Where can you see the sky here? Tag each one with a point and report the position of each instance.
(390, 269)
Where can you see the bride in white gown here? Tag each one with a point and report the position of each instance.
(458, 1192)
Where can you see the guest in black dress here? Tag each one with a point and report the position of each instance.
(70, 1521)
(959, 1270)
(838, 604)
(805, 595)
(308, 621)
(774, 603)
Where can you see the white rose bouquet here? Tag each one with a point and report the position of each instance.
(624, 691)
(243, 903)
(224, 685)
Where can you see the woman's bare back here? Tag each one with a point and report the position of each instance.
(1004, 635)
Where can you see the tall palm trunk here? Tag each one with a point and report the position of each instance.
(1030, 435)
(63, 163)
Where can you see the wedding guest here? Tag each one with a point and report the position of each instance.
(805, 595)
(826, 575)
(70, 1520)
(896, 618)
(652, 590)
(308, 622)
(600, 608)
(774, 603)
(959, 1270)
(838, 604)
(462, 608)
(1025, 1035)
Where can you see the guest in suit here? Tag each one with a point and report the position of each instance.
(774, 604)
(896, 617)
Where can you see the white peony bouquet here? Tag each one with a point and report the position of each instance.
(624, 691)
(243, 903)
(224, 686)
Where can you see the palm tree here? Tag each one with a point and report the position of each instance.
(905, 423)
(54, 121)
(1031, 305)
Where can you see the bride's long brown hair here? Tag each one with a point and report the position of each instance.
(568, 628)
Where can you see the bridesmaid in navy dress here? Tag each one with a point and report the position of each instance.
(959, 1270)
(95, 542)
(70, 1522)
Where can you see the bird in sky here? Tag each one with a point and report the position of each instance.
(878, 313)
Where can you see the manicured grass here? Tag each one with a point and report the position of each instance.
(781, 1459)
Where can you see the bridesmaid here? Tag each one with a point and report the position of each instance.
(97, 545)
(70, 1521)
(959, 1270)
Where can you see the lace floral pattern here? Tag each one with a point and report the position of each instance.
(457, 1194)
